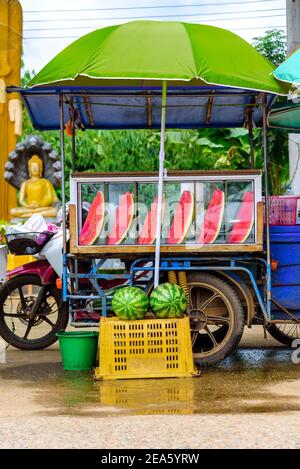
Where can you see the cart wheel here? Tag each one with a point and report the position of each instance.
(17, 326)
(285, 333)
(217, 318)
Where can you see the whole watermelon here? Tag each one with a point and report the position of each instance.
(168, 301)
(130, 303)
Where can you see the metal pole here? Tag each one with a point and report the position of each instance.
(268, 248)
(251, 143)
(73, 146)
(293, 43)
(160, 181)
(63, 192)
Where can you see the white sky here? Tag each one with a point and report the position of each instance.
(50, 25)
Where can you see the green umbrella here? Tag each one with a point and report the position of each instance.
(161, 50)
(141, 52)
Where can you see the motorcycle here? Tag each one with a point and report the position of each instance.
(31, 306)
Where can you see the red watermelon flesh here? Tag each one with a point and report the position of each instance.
(123, 219)
(147, 233)
(182, 219)
(211, 225)
(94, 221)
(244, 220)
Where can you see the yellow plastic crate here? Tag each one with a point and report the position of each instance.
(147, 348)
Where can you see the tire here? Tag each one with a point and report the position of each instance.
(220, 332)
(13, 305)
(285, 337)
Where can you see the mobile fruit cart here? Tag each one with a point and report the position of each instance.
(203, 230)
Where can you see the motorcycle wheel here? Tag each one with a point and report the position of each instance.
(23, 327)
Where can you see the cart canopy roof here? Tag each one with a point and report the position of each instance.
(285, 116)
(113, 77)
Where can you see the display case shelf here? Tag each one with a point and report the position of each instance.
(211, 211)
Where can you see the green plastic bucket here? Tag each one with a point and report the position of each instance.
(78, 349)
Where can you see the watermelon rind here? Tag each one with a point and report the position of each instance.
(168, 301)
(208, 233)
(94, 221)
(178, 239)
(117, 239)
(130, 303)
(147, 233)
(240, 230)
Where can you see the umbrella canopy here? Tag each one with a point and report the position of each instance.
(289, 70)
(213, 75)
(161, 50)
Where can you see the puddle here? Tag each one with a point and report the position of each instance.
(241, 384)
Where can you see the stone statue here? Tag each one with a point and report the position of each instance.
(10, 105)
(35, 169)
(37, 194)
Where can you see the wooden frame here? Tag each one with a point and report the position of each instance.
(187, 249)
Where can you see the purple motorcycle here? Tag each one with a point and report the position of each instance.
(31, 306)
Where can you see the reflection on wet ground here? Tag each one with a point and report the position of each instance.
(241, 384)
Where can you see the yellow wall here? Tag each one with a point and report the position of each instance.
(10, 117)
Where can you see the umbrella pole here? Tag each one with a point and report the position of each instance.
(268, 246)
(62, 152)
(63, 193)
(160, 182)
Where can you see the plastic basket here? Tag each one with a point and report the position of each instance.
(27, 243)
(283, 210)
(148, 348)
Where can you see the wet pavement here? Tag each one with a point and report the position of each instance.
(258, 379)
(242, 383)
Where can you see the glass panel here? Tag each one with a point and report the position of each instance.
(225, 212)
(193, 212)
(120, 213)
(239, 212)
(178, 226)
(108, 214)
(147, 212)
(210, 202)
(89, 197)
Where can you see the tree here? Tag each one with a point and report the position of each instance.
(272, 45)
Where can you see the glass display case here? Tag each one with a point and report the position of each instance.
(201, 211)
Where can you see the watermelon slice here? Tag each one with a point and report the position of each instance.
(211, 225)
(244, 220)
(123, 219)
(182, 219)
(147, 234)
(94, 221)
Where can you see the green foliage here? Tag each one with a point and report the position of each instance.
(3, 224)
(272, 45)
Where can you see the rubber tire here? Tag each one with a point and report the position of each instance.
(280, 336)
(238, 313)
(36, 344)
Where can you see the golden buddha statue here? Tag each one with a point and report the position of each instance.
(37, 194)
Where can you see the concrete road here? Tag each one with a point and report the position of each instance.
(251, 400)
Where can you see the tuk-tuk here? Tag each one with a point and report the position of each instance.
(209, 231)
